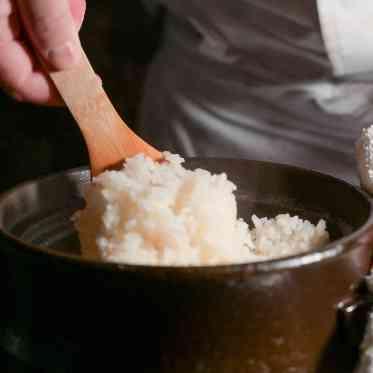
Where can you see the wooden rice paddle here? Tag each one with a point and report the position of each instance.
(109, 140)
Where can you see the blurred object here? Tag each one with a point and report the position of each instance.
(118, 37)
(364, 158)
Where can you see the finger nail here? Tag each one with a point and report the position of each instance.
(64, 56)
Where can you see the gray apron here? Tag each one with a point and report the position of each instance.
(253, 79)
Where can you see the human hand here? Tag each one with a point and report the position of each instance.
(28, 28)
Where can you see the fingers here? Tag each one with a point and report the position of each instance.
(22, 79)
(19, 74)
(9, 28)
(51, 25)
(52, 30)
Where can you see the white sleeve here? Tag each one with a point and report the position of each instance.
(347, 29)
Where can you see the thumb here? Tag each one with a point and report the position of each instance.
(52, 30)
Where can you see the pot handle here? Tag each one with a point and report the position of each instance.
(353, 316)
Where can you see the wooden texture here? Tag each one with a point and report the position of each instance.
(109, 140)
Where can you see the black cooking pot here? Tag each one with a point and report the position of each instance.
(68, 314)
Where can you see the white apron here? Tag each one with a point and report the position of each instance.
(288, 81)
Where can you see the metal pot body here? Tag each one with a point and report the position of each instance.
(68, 314)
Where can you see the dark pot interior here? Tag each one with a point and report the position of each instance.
(70, 314)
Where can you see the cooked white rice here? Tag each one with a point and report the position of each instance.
(286, 235)
(163, 214)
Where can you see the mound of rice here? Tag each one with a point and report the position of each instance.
(163, 214)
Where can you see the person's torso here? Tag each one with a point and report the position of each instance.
(270, 41)
(261, 65)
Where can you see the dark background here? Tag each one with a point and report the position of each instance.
(119, 38)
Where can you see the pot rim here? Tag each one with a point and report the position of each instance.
(327, 252)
